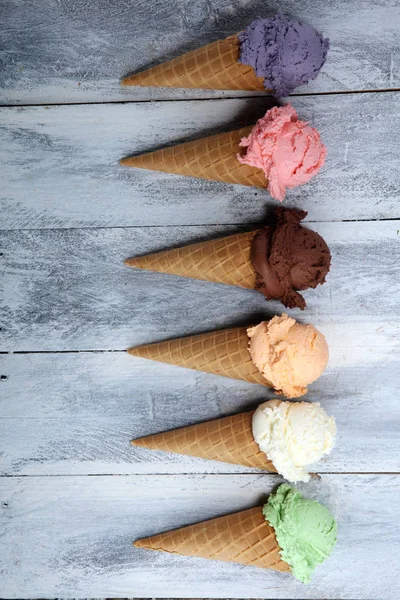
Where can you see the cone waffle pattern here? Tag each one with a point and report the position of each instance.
(212, 67)
(228, 440)
(220, 352)
(213, 158)
(243, 537)
(224, 260)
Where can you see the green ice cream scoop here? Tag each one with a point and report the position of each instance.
(306, 531)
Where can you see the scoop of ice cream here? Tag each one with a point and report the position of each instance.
(287, 257)
(305, 529)
(289, 355)
(293, 435)
(289, 151)
(286, 52)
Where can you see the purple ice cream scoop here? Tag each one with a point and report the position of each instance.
(286, 52)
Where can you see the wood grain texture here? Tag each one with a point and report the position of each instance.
(67, 412)
(69, 290)
(59, 165)
(72, 536)
(77, 51)
(75, 414)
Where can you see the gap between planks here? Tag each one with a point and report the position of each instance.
(194, 474)
(222, 97)
(244, 226)
(102, 351)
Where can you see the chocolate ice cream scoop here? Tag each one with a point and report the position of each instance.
(288, 257)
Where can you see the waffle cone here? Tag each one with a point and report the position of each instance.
(224, 260)
(244, 537)
(212, 158)
(211, 67)
(229, 440)
(220, 352)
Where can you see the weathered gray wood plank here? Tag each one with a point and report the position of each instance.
(72, 537)
(71, 414)
(74, 51)
(69, 290)
(59, 165)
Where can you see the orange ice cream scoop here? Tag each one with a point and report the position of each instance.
(288, 354)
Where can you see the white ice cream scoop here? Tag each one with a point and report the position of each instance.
(293, 435)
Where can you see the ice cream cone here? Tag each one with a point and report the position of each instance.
(229, 439)
(223, 260)
(212, 158)
(244, 537)
(220, 352)
(211, 67)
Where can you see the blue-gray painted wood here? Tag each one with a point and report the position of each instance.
(60, 165)
(72, 536)
(77, 51)
(75, 414)
(69, 290)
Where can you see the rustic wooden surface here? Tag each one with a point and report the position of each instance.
(73, 493)
(77, 51)
(68, 289)
(74, 534)
(82, 420)
(61, 164)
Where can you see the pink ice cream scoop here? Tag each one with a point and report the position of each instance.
(289, 151)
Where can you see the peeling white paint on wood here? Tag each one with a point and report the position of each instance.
(72, 536)
(69, 290)
(75, 414)
(77, 51)
(60, 165)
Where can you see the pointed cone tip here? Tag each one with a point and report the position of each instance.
(132, 80)
(132, 161)
(139, 442)
(141, 78)
(140, 351)
(134, 351)
(133, 262)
